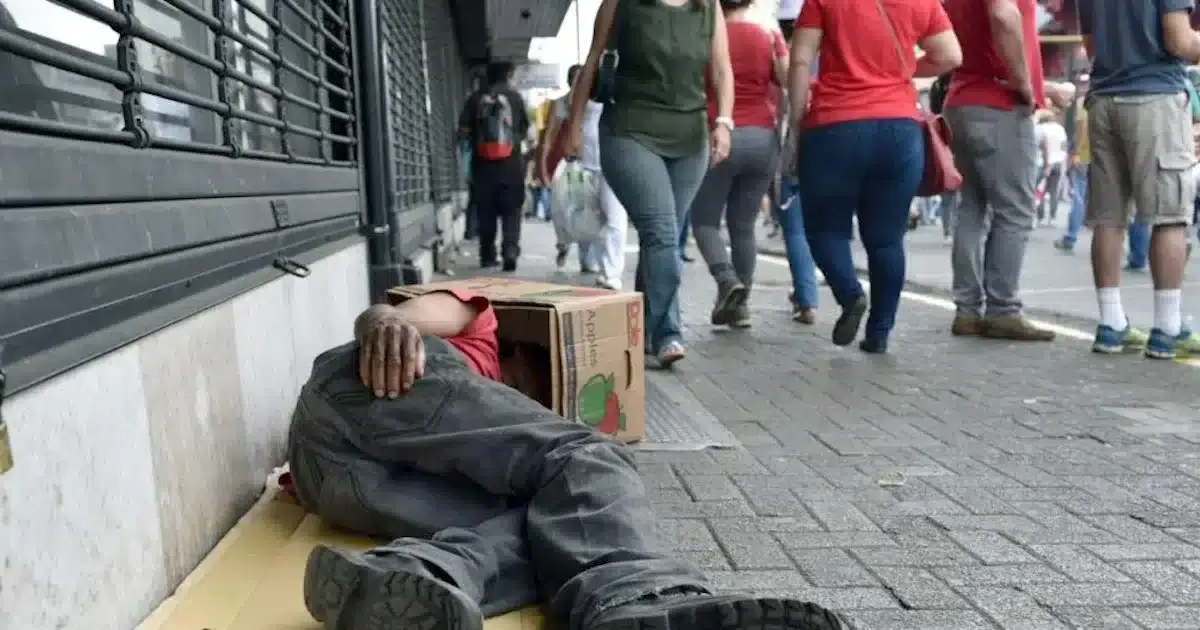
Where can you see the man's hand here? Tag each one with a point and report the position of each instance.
(391, 355)
(1060, 93)
(1023, 90)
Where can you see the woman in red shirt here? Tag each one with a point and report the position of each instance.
(863, 151)
(735, 187)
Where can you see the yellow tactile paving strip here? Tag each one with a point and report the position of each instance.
(253, 578)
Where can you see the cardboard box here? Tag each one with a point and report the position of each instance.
(594, 336)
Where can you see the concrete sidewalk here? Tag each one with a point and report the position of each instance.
(956, 483)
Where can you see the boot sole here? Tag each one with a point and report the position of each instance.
(747, 614)
(723, 313)
(336, 580)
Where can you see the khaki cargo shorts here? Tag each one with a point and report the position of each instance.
(1143, 160)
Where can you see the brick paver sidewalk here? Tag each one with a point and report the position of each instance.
(957, 483)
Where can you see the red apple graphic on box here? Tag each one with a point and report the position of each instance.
(599, 405)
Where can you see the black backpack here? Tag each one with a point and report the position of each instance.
(937, 92)
(495, 137)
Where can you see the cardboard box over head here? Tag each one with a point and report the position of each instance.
(594, 338)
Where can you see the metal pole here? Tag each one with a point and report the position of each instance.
(578, 32)
(374, 157)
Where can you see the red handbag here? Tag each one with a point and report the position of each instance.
(941, 175)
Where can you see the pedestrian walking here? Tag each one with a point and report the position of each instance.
(495, 121)
(655, 139)
(607, 253)
(863, 150)
(734, 190)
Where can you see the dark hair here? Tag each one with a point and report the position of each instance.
(573, 73)
(499, 72)
(730, 5)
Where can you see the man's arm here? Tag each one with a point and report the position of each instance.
(1178, 36)
(440, 314)
(1008, 33)
(805, 43)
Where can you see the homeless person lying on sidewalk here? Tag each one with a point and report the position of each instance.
(412, 433)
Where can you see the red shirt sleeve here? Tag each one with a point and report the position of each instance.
(939, 22)
(810, 16)
(478, 342)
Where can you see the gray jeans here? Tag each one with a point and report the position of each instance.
(514, 503)
(735, 189)
(996, 153)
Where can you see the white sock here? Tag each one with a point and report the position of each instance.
(1166, 311)
(1112, 314)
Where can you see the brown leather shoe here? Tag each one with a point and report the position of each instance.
(966, 326)
(1014, 328)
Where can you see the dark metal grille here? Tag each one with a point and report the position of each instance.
(448, 88)
(408, 100)
(266, 79)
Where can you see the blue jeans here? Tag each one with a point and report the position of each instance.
(684, 231)
(541, 203)
(1139, 245)
(1078, 176)
(795, 243)
(871, 168)
(656, 192)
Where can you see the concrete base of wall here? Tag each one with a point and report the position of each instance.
(130, 468)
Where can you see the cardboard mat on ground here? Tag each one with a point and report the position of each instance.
(254, 578)
(594, 336)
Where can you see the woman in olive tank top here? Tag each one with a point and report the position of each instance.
(655, 139)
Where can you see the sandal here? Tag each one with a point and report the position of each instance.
(670, 354)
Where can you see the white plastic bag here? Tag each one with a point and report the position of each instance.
(575, 204)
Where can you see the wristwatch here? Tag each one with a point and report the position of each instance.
(725, 122)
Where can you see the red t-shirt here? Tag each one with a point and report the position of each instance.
(977, 80)
(478, 342)
(862, 76)
(752, 52)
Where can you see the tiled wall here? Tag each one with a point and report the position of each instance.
(129, 469)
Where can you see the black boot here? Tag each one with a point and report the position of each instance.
(346, 590)
(730, 295)
(716, 612)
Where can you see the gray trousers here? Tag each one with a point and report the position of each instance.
(997, 155)
(735, 189)
(515, 504)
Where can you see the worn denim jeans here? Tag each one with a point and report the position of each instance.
(514, 504)
(656, 192)
(1139, 245)
(1078, 177)
(685, 230)
(870, 168)
(795, 244)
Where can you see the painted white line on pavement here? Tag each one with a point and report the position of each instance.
(947, 305)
